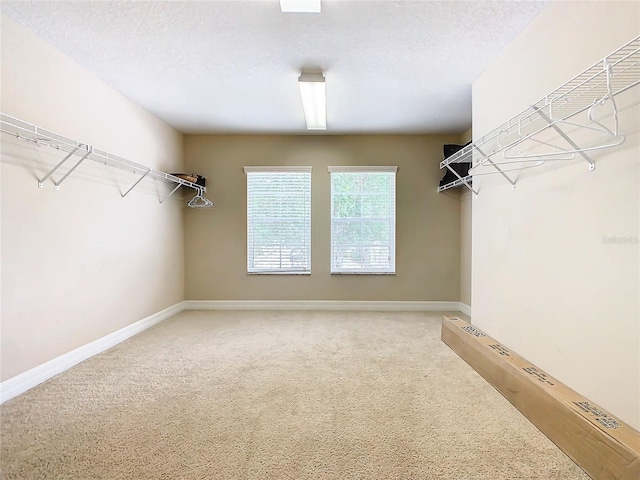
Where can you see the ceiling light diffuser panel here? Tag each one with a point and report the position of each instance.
(313, 93)
(300, 6)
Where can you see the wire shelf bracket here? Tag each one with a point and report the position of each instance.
(589, 92)
(41, 137)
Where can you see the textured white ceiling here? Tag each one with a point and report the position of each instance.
(232, 66)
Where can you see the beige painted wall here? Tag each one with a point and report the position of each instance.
(428, 223)
(81, 262)
(465, 236)
(544, 281)
(466, 136)
(465, 247)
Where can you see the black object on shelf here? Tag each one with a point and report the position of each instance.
(461, 168)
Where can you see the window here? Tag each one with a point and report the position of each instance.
(278, 219)
(363, 219)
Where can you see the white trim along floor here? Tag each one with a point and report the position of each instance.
(21, 383)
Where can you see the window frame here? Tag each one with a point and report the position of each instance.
(391, 269)
(250, 238)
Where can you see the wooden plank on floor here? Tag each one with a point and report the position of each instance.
(601, 444)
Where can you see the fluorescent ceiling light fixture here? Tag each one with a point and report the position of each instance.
(300, 6)
(314, 101)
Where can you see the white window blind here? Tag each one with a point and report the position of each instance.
(363, 219)
(278, 219)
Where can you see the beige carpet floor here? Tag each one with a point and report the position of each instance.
(276, 395)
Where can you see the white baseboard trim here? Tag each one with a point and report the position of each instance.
(464, 308)
(395, 306)
(21, 383)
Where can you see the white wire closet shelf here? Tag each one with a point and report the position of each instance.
(592, 92)
(81, 151)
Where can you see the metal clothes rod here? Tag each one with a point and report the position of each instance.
(40, 136)
(593, 88)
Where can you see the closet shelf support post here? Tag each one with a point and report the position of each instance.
(463, 180)
(552, 124)
(135, 184)
(56, 185)
(172, 192)
(513, 184)
(69, 155)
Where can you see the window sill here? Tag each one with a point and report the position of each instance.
(363, 273)
(278, 273)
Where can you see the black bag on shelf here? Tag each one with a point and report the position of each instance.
(461, 168)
